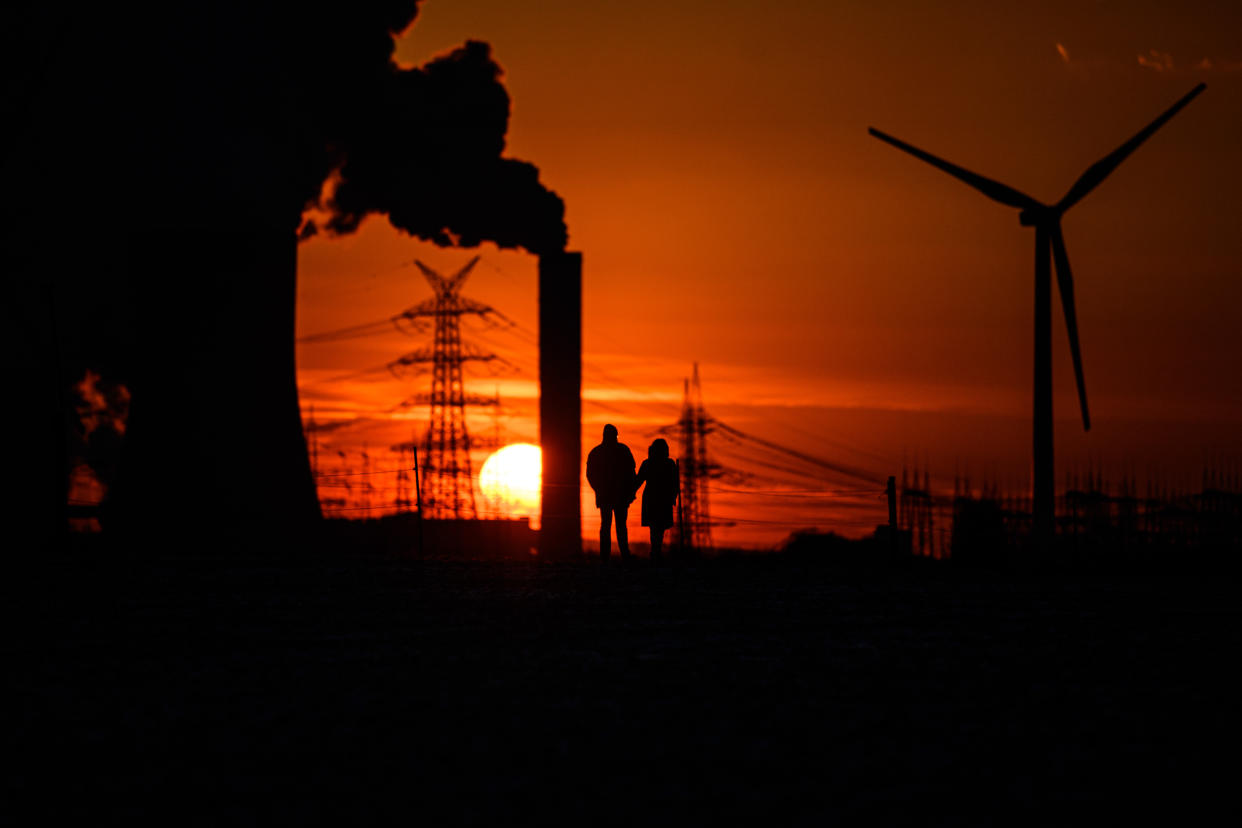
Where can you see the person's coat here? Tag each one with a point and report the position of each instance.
(610, 471)
(663, 486)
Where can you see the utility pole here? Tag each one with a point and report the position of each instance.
(401, 502)
(368, 488)
(890, 489)
(312, 428)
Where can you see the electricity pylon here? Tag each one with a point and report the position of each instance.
(695, 530)
(449, 488)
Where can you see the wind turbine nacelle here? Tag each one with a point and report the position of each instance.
(1031, 217)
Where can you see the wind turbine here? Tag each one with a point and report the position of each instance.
(1046, 219)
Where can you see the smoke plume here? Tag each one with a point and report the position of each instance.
(429, 156)
(242, 111)
(216, 117)
(95, 432)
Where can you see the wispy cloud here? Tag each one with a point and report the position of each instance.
(1157, 60)
(1063, 52)
(1209, 65)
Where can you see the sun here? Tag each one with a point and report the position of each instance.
(510, 481)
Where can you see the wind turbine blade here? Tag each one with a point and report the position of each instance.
(992, 189)
(1065, 286)
(1101, 169)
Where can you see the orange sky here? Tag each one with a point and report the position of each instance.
(842, 297)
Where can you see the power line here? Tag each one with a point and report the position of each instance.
(839, 468)
(348, 332)
(789, 471)
(805, 493)
(377, 369)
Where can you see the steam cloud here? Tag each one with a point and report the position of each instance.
(1157, 60)
(95, 433)
(429, 156)
(276, 99)
(1163, 62)
(234, 114)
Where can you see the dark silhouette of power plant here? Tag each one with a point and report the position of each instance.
(1046, 219)
(223, 155)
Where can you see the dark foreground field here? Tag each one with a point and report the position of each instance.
(200, 692)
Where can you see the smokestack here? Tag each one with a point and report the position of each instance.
(560, 403)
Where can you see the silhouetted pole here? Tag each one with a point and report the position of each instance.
(1043, 503)
(891, 490)
(418, 500)
(560, 403)
(681, 518)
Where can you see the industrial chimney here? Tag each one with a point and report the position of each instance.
(560, 403)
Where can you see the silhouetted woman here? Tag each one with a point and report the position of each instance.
(659, 472)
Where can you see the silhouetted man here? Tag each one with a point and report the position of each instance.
(610, 471)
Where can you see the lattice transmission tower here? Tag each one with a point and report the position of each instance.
(448, 490)
(695, 532)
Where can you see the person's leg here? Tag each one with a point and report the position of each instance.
(623, 534)
(657, 543)
(605, 532)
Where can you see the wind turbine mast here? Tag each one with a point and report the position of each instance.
(1049, 248)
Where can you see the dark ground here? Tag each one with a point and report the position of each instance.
(209, 692)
